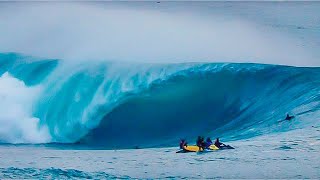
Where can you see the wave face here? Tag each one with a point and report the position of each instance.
(126, 105)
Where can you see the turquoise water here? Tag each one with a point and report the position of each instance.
(81, 118)
(101, 105)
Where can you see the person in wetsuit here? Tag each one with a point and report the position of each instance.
(208, 142)
(218, 143)
(288, 117)
(200, 143)
(183, 143)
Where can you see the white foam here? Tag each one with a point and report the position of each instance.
(17, 123)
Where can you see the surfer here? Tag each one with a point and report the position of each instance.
(288, 117)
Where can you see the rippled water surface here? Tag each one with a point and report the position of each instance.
(293, 154)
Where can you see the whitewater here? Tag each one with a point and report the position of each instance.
(113, 101)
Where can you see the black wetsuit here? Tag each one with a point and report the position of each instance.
(218, 144)
(183, 144)
(201, 143)
(289, 117)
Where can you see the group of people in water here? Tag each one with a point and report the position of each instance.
(202, 144)
(205, 144)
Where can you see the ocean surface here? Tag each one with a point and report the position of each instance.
(99, 119)
(289, 155)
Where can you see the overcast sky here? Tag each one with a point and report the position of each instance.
(165, 32)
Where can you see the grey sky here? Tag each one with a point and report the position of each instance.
(166, 32)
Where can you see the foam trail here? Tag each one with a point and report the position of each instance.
(17, 123)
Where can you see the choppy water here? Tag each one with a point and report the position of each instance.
(289, 155)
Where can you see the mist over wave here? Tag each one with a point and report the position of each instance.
(146, 32)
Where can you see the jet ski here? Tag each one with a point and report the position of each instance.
(187, 149)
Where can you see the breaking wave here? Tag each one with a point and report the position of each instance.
(134, 104)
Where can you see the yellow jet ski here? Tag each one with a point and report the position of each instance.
(197, 149)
